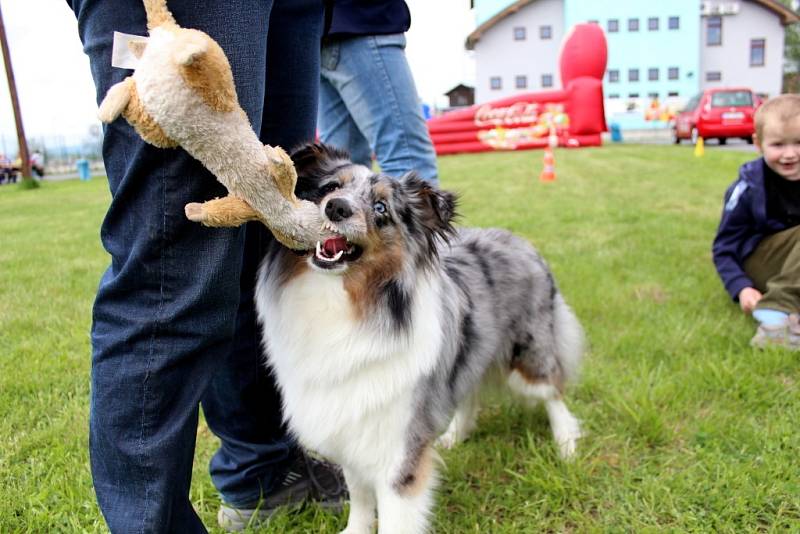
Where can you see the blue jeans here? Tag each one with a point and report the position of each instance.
(368, 104)
(173, 320)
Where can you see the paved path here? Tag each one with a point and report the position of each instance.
(664, 137)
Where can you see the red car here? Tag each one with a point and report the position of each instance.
(718, 114)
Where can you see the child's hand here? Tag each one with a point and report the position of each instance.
(748, 298)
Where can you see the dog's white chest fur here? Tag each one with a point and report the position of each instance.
(347, 384)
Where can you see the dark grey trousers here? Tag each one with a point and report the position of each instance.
(774, 267)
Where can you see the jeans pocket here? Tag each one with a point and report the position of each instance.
(329, 55)
(393, 39)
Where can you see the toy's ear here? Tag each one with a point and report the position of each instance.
(137, 48)
(190, 50)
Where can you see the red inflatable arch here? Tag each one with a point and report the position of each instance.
(524, 121)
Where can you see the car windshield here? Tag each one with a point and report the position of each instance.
(692, 104)
(725, 99)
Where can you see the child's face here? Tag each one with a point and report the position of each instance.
(780, 146)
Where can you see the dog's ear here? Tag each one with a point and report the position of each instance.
(317, 158)
(313, 163)
(437, 207)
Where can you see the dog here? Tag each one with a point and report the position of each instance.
(381, 337)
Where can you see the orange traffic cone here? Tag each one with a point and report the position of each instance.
(548, 167)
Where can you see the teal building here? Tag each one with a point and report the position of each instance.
(653, 59)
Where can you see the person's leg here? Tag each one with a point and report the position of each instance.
(165, 308)
(375, 82)
(336, 125)
(242, 406)
(775, 269)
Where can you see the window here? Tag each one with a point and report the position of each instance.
(633, 25)
(692, 104)
(674, 23)
(521, 82)
(519, 33)
(633, 75)
(545, 32)
(593, 21)
(652, 96)
(713, 31)
(652, 24)
(652, 75)
(713, 76)
(613, 25)
(613, 95)
(725, 99)
(613, 75)
(673, 93)
(757, 49)
(633, 95)
(673, 73)
(547, 80)
(495, 82)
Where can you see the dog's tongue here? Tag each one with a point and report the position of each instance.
(333, 245)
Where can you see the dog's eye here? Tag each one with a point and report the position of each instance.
(379, 207)
(329, 188)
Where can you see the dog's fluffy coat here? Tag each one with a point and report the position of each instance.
(380, 343)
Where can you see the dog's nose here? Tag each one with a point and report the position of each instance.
(338, 209)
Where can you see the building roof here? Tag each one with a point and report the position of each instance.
(786, 15)
(459, 87)
(475, 36)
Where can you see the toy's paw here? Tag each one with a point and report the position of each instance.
(282, 171)
(222, 212)
(195, 212)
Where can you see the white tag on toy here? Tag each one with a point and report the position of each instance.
(123, 53)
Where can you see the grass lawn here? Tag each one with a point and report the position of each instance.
(688, 428)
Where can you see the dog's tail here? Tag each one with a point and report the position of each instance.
(158, 14)
(569, 337)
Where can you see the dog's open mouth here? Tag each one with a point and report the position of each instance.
(335, 251)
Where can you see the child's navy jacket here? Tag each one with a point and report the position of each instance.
(744, 224)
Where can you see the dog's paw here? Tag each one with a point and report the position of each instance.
(566, 437)
(448, 440)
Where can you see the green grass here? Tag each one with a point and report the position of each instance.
(688, 429)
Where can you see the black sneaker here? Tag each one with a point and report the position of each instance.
(308, 480)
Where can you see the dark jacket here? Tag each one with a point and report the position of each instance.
(350, 18)
(744, 224)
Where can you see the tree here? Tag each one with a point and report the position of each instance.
(27, 179)
(791, 53)
(792, 41)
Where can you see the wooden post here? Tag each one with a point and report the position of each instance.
(12, 89)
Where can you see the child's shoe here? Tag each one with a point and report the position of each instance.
(786, 334)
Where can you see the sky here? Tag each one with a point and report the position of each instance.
(57, 94)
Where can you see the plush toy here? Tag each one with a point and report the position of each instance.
(182, 94)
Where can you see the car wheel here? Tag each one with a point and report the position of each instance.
(695, 136)
(675, 138)
(749, 140)
(723, 140)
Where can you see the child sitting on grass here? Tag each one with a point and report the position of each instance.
(757, 247)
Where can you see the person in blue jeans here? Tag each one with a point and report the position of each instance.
(368, 100)
(173, 320)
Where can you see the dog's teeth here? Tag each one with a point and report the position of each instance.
(338, 255)
(319, 250)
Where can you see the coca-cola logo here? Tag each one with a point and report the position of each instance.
(515, 114)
